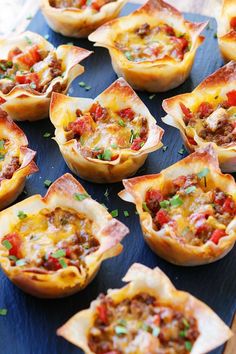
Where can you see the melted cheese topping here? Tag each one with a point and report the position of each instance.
(152, 44)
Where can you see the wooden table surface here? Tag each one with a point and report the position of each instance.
(204, 7)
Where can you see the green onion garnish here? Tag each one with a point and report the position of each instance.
(114, 213)
(188, 345)
(46, 135)
(21, 215)
(165, 204)
(59, 253)
(7, 244)
(120, 330)
(3, 312)
(81, 196)
(190, 189)
(62, 263)
(203, 173)
(121, 123)
(175, 201)
(126, 213)
(47, 183)
(82, 84)
(145, 208)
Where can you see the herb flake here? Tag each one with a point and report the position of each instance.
(115, 213)
(21, 215)
(81, 196)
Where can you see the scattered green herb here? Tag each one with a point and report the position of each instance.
(182, 333)
(145, 208)
(120, 330)
(106, 194)
(106, 155)
(188, 345)
(20, 262)
(33, 85)
(181, 151)
(28, 40)
(121, 123)
(164, 148)
(165, 204)
(21, 215)
(59, 254)
(186, 324)
(156, 331)
(3, 67)
(128, 55)
(114, 146)
(2, 143)
(82, 84)
(46, 135)
(114, 213)
(126, 213)
(203, 173)
(81, 196)
(62, 263)
(190, 189)
(2, 156)
(46, 36)
(215, 35)
(3, 312)
(12, 258)
(7, 244)
(175, 201)
(29, 17)
(70, 43)
(152, 96)
(87, 88)
(47, 183)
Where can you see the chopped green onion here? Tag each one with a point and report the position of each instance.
(121, 123)
(46, 135)
(3, 67)
(164, 148)
(82, 84)
(128, 55)
(29, 17)
(203, 173)
(46, 36)
(165, 204)
(185, 322)
(7, 244)
(185, 231)
(13, 258)
(107, 155)
(175, 201)
(2, 156)
(145, 327)
(181, 151)
(3, 312)
(20, 262)
(47, 183)
(114, 146)
(182, 333)
(70, 43)
(120, 330)
(104, 205)
(156, 331)
(106, 194)
(33, 85)
(87, 88)
(126, 213)
(114, 213)
(131, 139)
(62, 263)
(190, 189)
(142, 144)
(59, 253)
(2, 143)
(28, 40)
(122, 322)
(145, 208)
(81, 196)
(21, 215)
(215, 35)
(188, 345)
(152, 96)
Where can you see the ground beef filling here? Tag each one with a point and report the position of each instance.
(8, 164)
(79, 4)
(102, 133)
(190, 212)
(146, 43)
(33, 67)
(51, 240)
(213, 123)
(141, 324)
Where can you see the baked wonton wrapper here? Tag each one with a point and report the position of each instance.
(213, 331)
(226, 35)
(117, 96)
(79, 23)
(11, 188)
(153, 76)
(25, 103)
(212, 89)
(170, 248)
(65, 281)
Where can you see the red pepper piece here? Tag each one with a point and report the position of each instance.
(52, 264)
(30, 57)
(169, 30)
(15, 241)
(216, 235)
(137, 144)
(229, 206)
(28, 79)
(191, 140)
(205, 109)
(13, 52)
(81, 125)
(102, 313)
(179, 181)
(126, 113)
(2, 100)
(186, 112)
(231, 95)
(162, 217)
(98, 112)
(153, 199)
(233, 23)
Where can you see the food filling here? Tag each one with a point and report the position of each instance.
(141, 324)
(32, 67)
(213, 122)
(102, 132)
(50, 240)
(79, 4)
(189, 211)
(148, 43)
(233, 23)
(9, 159)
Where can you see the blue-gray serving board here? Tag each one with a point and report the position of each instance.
(30, 325)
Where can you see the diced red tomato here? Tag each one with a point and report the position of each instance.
(81, 125)
(162, 217)
(219, 197)
(2, 100)
(186, 112)
(102, 313)
(216, 235)
(15, 241)
(169, 30)
(114, 157)
(229, 206)
(98, 112)
(30, 57)
(179, 181)
(28, 79)
(127, 113)
(180, 44)
(153, 198)
(233, 23)
(191, 141)
(205, 109)
(157, 320)
(13, 52)
(52, 264)
(231, 95)
(137, 144)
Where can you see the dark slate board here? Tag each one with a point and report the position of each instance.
(30, 325)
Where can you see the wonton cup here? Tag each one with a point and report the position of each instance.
(213, 331)
(65, 281)
(79, 23)
(226, 35)
(153, 76)
(27, 103)
(169, 248)
(210, 90)
(11, 188)
(116, 96)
